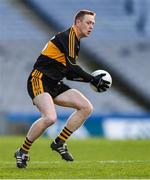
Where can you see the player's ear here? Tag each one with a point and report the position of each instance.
(78, 21)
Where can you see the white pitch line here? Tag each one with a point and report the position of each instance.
(84, 162)
(123, 161)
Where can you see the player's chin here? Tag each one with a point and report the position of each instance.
(87, 35)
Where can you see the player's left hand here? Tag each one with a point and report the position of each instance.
(100, 83)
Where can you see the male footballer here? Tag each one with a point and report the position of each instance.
(46, 87)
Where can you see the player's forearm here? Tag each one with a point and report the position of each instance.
(75, 78)
(82, 74)
(78, 71)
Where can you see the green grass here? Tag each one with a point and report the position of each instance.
(94, 158)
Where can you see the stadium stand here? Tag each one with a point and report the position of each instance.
(113, 26)
(20, 42)
(22, 37)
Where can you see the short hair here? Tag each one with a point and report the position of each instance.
(80, 14)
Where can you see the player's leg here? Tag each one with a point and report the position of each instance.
(37, 89)
(74, 99)
(45, 105)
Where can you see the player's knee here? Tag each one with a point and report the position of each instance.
(49, 120)
(87, 108)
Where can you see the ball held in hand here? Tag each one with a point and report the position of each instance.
(101, 81)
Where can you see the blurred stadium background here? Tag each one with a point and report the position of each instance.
(120, 44)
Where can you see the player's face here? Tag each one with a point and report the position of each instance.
(85, 26)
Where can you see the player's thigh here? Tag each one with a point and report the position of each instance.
(73, 98)
(45, 104)
(42, 89)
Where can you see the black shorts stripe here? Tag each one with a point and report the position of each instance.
(39, 83)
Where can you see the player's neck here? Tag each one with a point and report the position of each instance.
(77, 32)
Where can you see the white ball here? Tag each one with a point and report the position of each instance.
(107, 77)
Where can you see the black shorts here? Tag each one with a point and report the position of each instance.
(39, 83)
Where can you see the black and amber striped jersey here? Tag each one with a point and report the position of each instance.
(59, 56)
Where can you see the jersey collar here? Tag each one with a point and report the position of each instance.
(76, 32)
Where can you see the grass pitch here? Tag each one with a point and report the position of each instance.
(94, 159)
